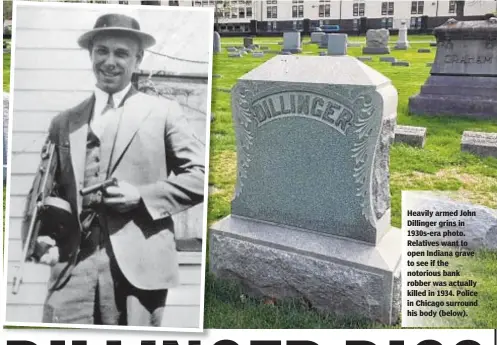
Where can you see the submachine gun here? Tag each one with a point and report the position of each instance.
(45, 213)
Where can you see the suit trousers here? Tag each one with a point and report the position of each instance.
(98, 293)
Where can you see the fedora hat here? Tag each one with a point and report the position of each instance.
(116, 23)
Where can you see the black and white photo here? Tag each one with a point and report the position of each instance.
(106, 181)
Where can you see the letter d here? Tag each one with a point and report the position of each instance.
(20, 342)
(358, 342)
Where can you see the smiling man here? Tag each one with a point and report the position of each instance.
(114, 266)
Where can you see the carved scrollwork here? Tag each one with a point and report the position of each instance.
(363, 154)
(245, 130)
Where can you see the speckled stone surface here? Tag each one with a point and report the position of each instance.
(332, 274)
(479, 143)
(377, 42)
(337, 44)
(312, 154)
(387, 59)
(292, 42)
(463, 80)
(479, 231)
(316, 37)
(217, 43)
(311, 212)
(410, 135)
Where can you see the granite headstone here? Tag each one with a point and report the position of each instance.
(402, 42)
(310, 216)
(248, 41)
(291, 42)
(479, 143)
(217, 42)
(377, 42)
(316, 36)
(324, 41)
(463, 80)
(337, 44)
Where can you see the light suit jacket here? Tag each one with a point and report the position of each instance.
(157, 152)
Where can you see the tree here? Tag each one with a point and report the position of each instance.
(218, 12)
(7, 10)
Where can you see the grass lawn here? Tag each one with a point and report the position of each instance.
(6, 72)
(439, 166)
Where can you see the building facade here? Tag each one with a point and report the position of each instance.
(350, 15)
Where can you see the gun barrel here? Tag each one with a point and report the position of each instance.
(25, 250)
(98, 186)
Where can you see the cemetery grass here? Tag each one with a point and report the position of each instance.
(6, 72)
(439, 166)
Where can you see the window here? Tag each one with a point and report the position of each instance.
(248, 12)
(297, 11)
(325, 10)
(241, 12)
(359, 9)
(417, 7)
(452, 6)
(272, 11)
(387, 8)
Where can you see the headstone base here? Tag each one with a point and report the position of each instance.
(293, 51)
(376, 50)
(348, 278)
(457, 96)
(401, 46)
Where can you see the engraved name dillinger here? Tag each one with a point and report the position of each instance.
(303, 104)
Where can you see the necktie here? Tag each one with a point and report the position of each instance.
(109, 105)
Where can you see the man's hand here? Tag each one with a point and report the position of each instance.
(122, 198)
(51, 256)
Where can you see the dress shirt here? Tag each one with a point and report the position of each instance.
(99, 119)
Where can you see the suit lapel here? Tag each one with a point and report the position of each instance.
(78, 135)
(135, 111)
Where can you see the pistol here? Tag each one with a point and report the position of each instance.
(99, 186)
